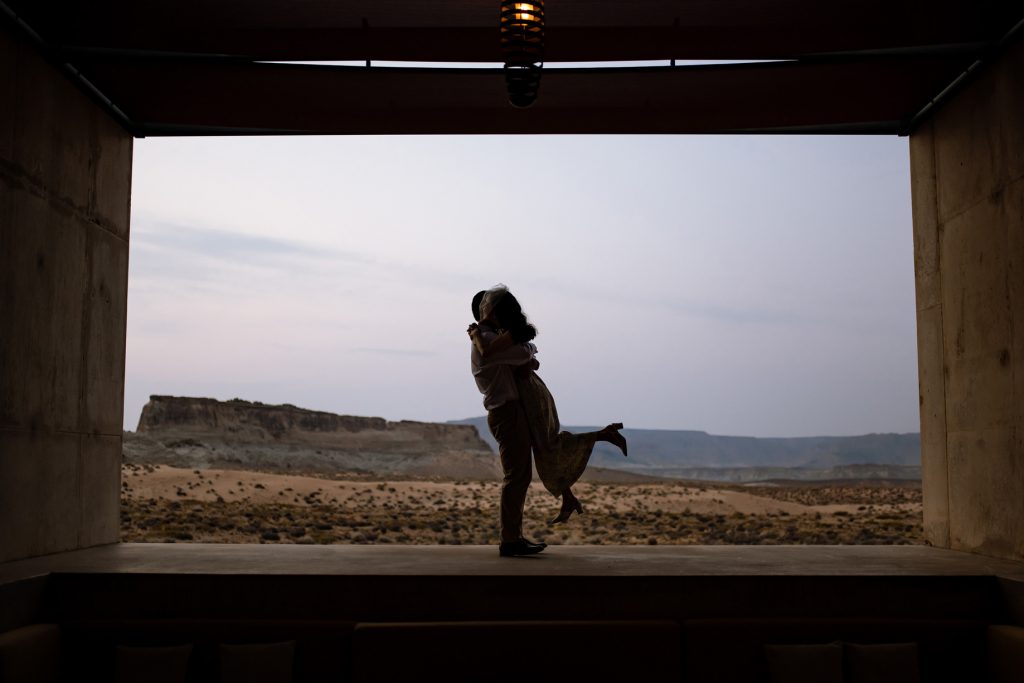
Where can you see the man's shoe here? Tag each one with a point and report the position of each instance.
(520, 547)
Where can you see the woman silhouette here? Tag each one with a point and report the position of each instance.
(560, 457)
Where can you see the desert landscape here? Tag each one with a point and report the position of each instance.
(168, 504)
(205, 471)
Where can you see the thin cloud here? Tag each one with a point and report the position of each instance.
(740, 316)
(723, 313)
(394, 352)
(225, 245)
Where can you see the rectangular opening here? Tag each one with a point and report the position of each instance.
(729, 299)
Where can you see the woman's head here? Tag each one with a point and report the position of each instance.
(503, 307)
(488, 301)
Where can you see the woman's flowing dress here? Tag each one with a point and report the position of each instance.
(560, 456)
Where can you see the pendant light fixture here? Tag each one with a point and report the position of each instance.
(522, 46)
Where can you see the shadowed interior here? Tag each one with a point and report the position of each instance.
(84, 79)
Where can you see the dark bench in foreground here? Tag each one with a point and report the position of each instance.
(365, 614)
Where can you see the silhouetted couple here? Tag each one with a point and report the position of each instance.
(522, 417)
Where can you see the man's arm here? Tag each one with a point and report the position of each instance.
(488, 342)
(494, 348)
(518, 354)
(526, 368)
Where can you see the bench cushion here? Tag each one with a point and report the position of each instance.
(516, 651)
(881, 663)
(732, 650)
(152, 664)
(320, 648)
(259, 663)
(1006, 653)
(30, 653)
(805, 663)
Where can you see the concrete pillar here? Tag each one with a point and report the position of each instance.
(967, 170)
(65, 181)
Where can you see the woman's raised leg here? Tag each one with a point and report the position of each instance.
(612, 436)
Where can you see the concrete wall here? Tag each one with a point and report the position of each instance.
(967, 167)
(65, 181)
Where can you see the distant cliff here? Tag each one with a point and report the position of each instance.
(237, 434)
(744, 475)
(204, 432)
(690, 454)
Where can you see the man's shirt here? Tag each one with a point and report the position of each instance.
(494, 377)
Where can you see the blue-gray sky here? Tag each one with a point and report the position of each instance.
(747, 285)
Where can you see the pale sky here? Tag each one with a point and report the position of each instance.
(741, 285)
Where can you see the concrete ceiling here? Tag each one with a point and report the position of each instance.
(194, 67)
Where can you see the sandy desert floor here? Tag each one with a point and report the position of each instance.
(165, 504)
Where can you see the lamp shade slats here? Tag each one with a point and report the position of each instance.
(522, 46)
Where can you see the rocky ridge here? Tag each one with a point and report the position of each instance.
(697, 455)
(206, 433)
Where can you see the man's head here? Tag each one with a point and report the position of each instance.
(477, 298)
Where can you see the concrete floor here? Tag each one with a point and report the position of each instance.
(382, 583)
(454, 561)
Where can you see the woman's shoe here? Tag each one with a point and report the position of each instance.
(566, 512)
(611, 432)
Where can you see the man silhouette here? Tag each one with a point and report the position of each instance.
(507, 421)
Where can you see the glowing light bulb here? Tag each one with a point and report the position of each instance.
(524, 12)
(522, 44)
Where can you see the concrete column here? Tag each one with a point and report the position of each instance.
(967, 168)
(65, 185)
